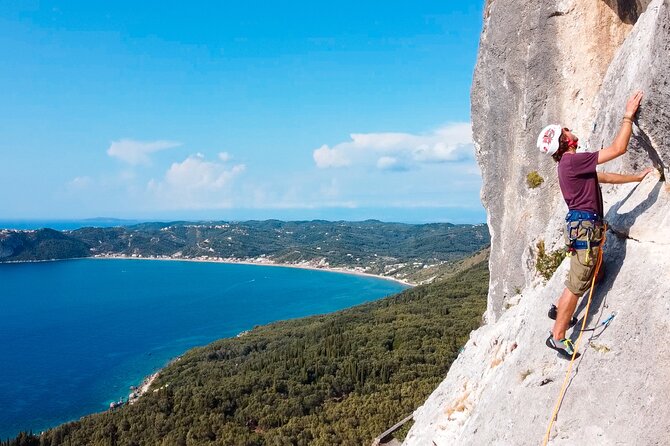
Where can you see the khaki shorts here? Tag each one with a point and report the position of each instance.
(582, 265)
(581, 271)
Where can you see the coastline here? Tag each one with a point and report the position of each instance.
(11, 262)
(141, 389)
(136, 392)
(266, 262)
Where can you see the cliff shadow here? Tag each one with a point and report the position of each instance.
(614, 255)
(628, 11)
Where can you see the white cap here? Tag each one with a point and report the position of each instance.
(547, 141)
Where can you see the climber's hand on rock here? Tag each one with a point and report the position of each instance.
(633, 104)
(645, 172)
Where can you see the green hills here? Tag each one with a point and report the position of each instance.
(416, 253)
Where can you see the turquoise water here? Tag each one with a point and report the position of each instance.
(74, 335)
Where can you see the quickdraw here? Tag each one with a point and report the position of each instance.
(604, 323)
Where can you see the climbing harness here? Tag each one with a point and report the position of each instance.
(576, 230)
(561, 395)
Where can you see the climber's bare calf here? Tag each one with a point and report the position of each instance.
(566, 307)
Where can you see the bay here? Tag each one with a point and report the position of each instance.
(74, 335)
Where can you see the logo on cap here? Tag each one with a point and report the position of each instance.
(547, 141)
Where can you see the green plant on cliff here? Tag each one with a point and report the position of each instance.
(533, 179)
(546, 263)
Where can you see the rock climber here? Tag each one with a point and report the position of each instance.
(580, 185)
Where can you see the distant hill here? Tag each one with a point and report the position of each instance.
(400, 250)
(335, 379)
(42, 244)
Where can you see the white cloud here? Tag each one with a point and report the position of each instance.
(399, 151)
(196, 173)
(326, 157)
(197, 183)
(137, 152)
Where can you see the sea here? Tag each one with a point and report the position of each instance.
(64, 225)
(76, 334)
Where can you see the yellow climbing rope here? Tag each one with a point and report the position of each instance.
(579, 338)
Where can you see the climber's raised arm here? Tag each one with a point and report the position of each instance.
(620, 143)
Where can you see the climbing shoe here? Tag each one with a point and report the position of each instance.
(553, 311)
(564, 347)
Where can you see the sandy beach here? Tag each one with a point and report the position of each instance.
(265, 262)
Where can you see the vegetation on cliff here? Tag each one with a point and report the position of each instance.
(546, 263)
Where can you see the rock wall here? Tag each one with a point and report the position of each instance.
(574, 63)
(539, 63)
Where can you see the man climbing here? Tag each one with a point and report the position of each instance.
(579, 182)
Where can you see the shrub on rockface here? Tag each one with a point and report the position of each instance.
(546, 263)
(533, 179)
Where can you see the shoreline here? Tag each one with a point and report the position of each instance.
(147, 381)
(306, 266)
(141, 389)
(138, 391)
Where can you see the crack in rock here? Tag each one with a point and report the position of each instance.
(624, 235)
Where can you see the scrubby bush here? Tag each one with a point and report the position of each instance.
(533, 179)
(546, 263)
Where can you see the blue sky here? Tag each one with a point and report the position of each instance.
(289, 110)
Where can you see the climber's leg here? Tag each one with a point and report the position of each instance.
(566, 307)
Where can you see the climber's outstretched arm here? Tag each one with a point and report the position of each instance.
(616, 178)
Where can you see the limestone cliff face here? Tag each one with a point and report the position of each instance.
(539, 63)
(572, 62)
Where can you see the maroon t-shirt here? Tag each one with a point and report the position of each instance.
(579, 182)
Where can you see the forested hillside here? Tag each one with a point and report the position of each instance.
(341, 378)
(44, 244)
(400, 250)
